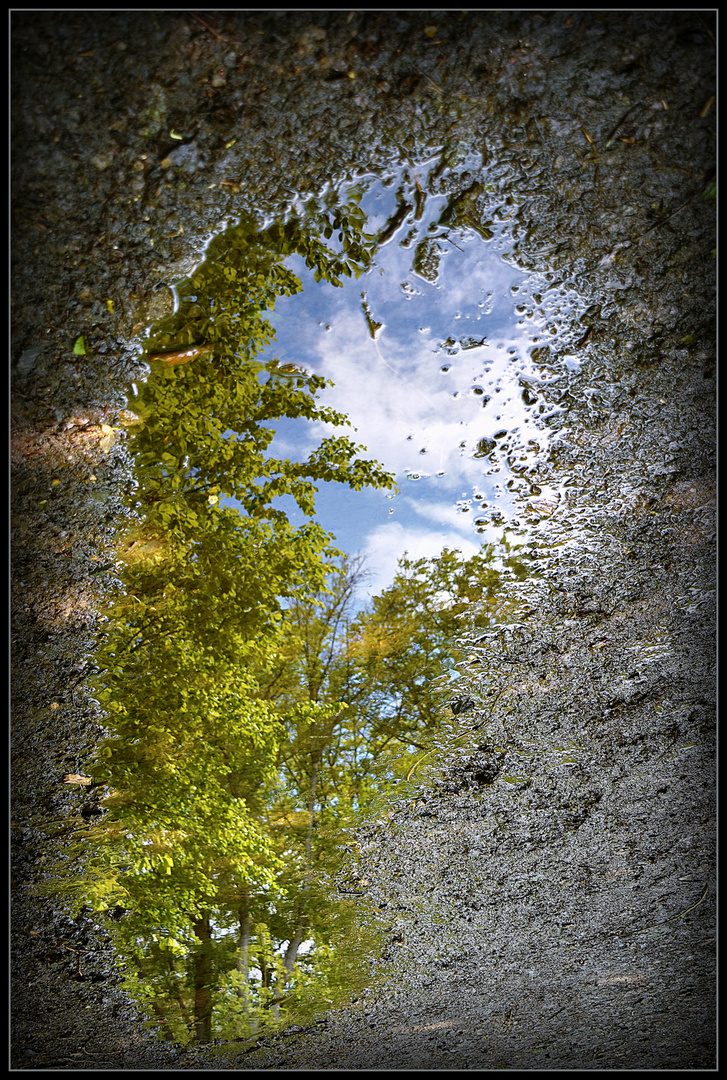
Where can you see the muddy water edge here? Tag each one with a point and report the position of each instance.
(565, 921)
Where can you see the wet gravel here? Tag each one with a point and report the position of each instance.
(548, 894)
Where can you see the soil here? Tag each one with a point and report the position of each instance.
(549, 893)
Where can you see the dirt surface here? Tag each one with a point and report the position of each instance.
(550, 893)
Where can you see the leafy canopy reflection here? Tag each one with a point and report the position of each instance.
(248, 705)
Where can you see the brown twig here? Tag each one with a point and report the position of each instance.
(617, 125)
(663, 220)
(206, 25)
(641, 929)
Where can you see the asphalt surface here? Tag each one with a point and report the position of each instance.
(549, 892)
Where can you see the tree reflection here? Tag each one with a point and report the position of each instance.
(251, 708)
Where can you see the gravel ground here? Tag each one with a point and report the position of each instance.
(549, 904)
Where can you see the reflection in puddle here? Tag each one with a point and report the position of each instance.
(255, 709)
(448, 360)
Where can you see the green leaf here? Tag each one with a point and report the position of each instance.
(79, 347)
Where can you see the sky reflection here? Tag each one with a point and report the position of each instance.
(435, 370)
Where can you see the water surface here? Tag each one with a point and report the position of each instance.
(444, 357)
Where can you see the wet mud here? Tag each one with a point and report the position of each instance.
(549, 893)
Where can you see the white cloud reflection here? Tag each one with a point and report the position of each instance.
(420, 402)
(387, 543)
(442, 376)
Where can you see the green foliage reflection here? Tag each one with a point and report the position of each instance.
(250, 707)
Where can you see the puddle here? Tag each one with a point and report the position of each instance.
(252, 714)
(452, 363)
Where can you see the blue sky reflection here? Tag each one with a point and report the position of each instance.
(444, 395)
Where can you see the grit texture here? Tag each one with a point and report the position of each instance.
(549, 892)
